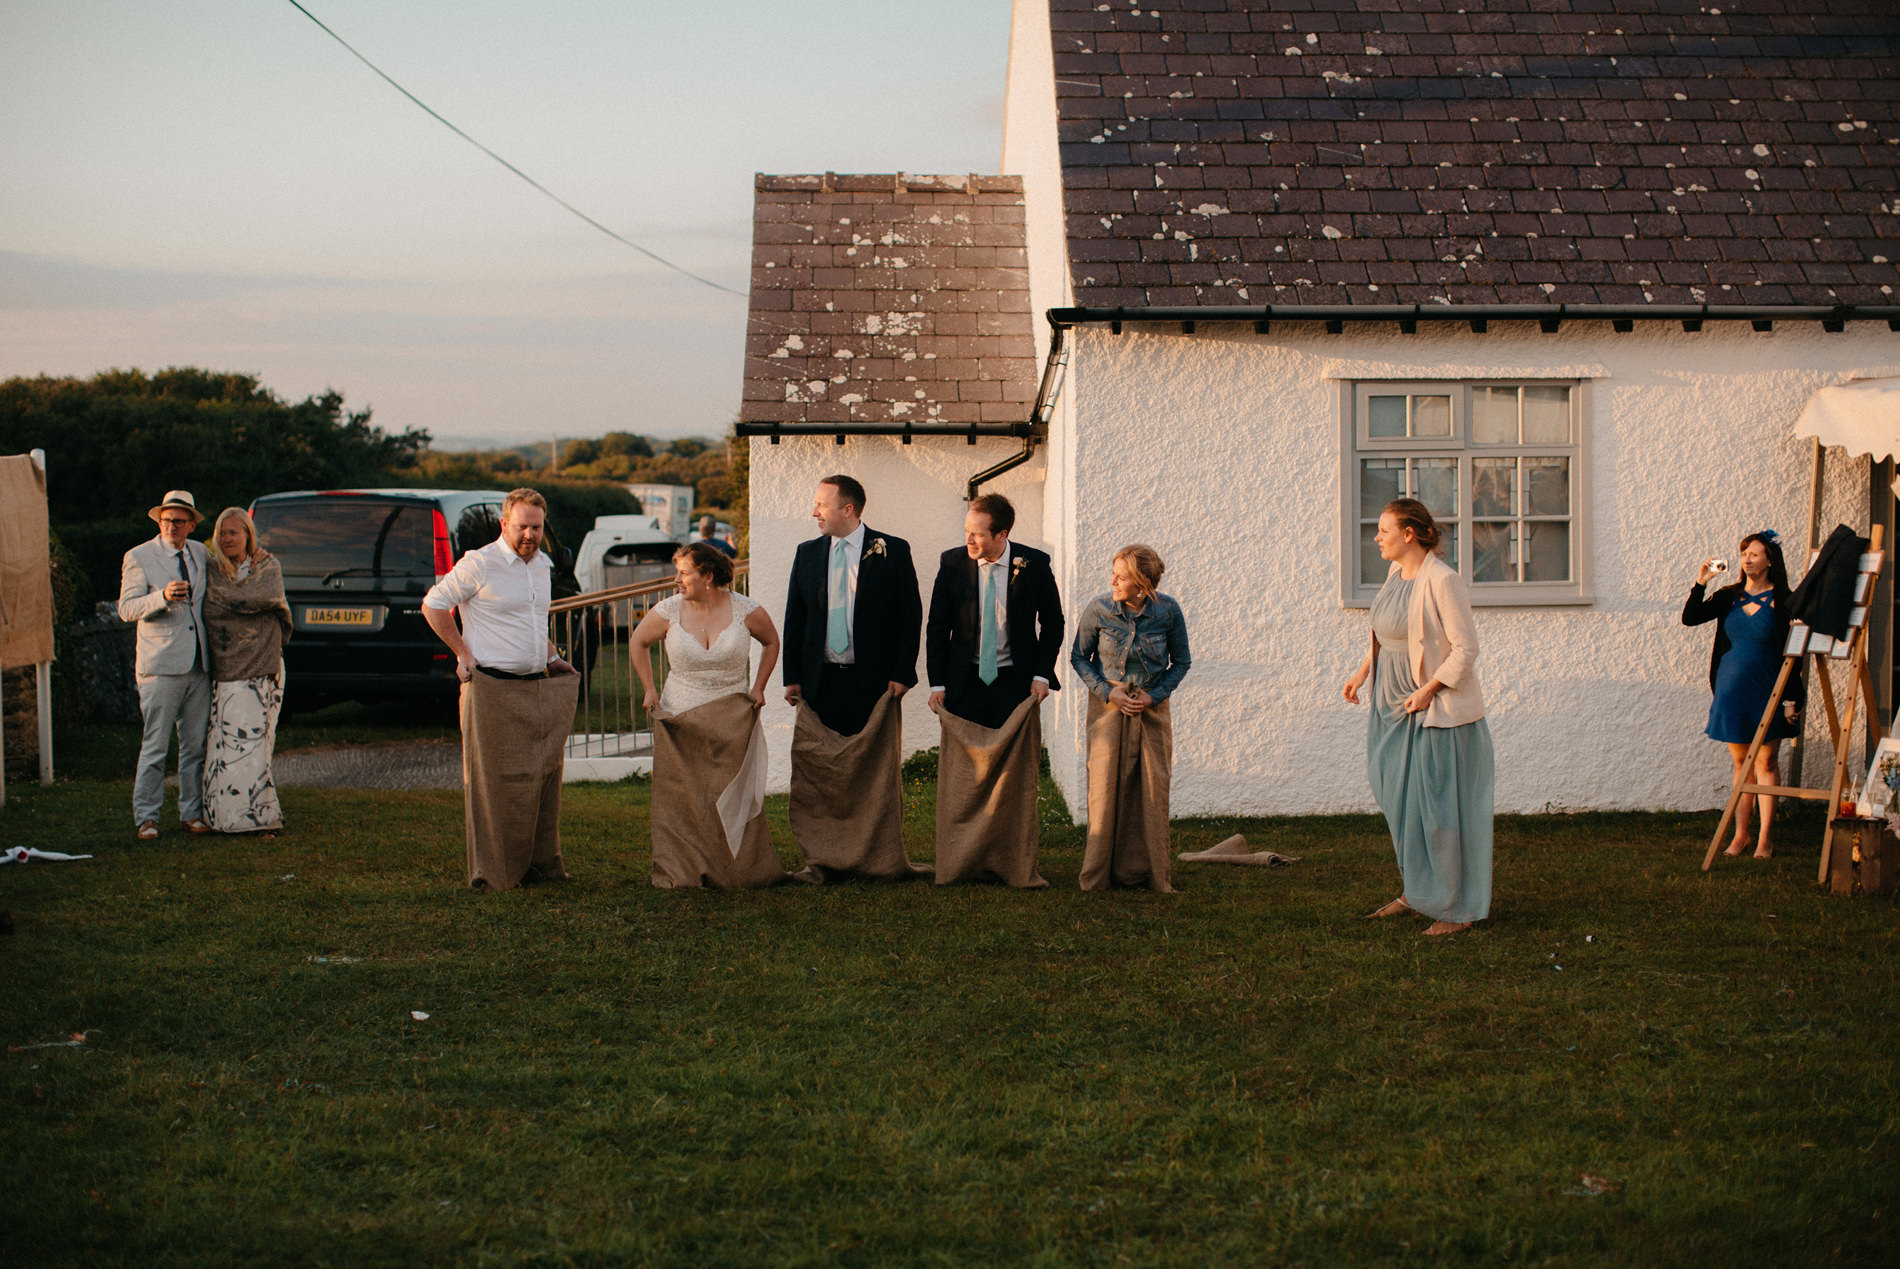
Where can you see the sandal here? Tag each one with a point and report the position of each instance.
(148, 831)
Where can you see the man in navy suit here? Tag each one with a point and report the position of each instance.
(995, 627)
(852, 613)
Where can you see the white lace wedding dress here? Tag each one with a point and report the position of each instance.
(697, 674)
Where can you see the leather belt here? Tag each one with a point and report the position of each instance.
(505, 674)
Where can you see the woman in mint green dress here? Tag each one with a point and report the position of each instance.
(1428, 749)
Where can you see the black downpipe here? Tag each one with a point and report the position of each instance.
(1052, 367)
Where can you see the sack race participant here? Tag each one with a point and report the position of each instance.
(852, 622)
(517, 702)
(709, 761)
(1131, 651)
(991, 642)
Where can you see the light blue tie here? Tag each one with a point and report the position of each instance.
(837, 630)
(986, 648)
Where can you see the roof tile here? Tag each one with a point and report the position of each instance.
(1657, 152)
(889, 298)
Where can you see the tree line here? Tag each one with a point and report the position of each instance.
(117, 441)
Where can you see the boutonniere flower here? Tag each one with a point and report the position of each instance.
(877, 546)
(1016, 567)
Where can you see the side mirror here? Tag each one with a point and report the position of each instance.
(567, 557)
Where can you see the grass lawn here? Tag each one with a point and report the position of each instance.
(1245, 1072)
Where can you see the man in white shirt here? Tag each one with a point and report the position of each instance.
(162, 590)
(518, 698)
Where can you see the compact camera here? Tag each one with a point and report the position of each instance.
(1719, 566)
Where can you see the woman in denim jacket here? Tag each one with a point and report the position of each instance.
(1131, 650)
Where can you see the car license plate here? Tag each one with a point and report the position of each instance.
(338, 617)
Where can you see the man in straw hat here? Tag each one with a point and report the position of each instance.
(518, 698)
(162, 590)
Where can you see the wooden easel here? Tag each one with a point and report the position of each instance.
(1860, 691)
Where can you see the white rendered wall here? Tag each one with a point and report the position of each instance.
(1029, 151)
(914, 492)
(1222, 451)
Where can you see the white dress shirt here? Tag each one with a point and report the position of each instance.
(853, 554)
(504, 601)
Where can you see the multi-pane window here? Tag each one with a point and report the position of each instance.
(1500, 465)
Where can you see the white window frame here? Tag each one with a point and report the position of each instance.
(1356, 443)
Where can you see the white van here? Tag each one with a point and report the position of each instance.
(623, 551)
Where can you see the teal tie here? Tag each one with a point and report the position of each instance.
(986, 648)
(837, 631)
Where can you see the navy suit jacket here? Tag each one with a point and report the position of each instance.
(886, 622)
(1034, 617)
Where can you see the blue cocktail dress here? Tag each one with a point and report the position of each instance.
(1746, 678)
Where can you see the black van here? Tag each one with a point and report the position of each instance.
(356, 564)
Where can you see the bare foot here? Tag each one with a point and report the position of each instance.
(1398, 907)
(1447, 927)
(1764, 851)
(1737, 846)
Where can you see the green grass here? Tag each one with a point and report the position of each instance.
(1245, 1072)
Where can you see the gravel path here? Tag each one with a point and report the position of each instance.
(429, 764)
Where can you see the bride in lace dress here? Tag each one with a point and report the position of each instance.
(708, 815)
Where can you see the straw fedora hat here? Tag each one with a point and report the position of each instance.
(179, 499)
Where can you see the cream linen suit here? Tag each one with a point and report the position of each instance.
(174, 689)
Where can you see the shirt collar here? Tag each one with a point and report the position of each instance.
(1001, 561)
(854, 539)
(508, 556)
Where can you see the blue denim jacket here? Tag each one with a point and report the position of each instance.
(1105, 632)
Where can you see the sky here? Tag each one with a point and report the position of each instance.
(218, 183)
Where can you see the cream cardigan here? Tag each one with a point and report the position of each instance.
(1442, 644)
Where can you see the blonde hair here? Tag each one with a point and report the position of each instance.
(218, 556)
(523, 497)
(1145, 565)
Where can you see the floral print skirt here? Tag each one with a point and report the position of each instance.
(240, 796)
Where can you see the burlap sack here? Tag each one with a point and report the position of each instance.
(514, 741)
(986, 799)
(848, 797)
(708, 814)
(26, 579)
(1131, 760)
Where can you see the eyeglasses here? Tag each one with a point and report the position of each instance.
(175, 520)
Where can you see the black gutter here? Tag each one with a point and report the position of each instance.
(1030, 431)
(1548, 316)
(971, 432)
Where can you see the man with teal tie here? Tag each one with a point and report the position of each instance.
(853, 613)
(995, 627)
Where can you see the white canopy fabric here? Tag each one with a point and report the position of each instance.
(1862, 417)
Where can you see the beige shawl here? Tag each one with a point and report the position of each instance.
(247, 622)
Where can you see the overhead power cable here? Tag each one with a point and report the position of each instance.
(550, 194)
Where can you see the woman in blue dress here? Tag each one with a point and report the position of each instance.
(1428, 747)
(1742, 670)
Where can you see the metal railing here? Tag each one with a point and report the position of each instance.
(594, 632)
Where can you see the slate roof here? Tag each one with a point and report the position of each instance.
(889, 299)
(1480, 151)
